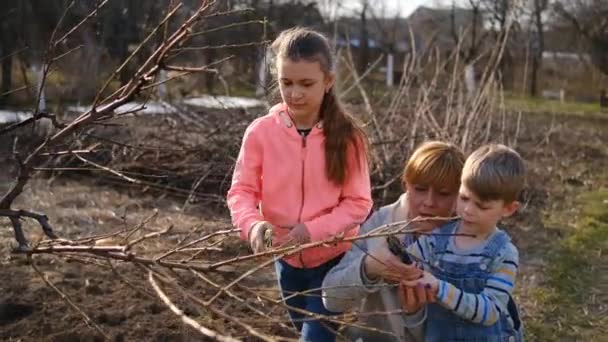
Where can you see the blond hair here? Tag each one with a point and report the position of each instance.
(435, 163)
(494, 172)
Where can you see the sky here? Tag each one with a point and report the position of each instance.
(405, 7)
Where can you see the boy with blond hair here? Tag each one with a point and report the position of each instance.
(470, 264)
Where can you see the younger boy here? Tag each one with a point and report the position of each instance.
(473, 273)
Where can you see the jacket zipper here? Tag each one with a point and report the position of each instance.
(302, 185)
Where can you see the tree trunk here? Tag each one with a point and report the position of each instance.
(163, 93)
(7, 77)
(210, 56)
(38, 70)
(539, 45)
(534, 76)
(91, 52)
(125, 73)
(363, 42)
(262, 72)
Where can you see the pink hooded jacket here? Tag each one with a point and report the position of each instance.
(279, 177)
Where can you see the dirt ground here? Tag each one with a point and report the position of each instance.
(567, 157)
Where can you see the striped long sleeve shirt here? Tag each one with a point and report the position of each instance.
(481, 308)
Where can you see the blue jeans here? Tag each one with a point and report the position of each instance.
(293, 280)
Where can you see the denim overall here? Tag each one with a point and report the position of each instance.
(442, 324)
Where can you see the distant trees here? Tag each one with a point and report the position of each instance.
(120, 25)
(469, 38)
(589, 18)
(538, 10)
(26, 28)
(107, 39)
(8, 45)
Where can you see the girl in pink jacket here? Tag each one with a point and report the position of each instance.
(302, 172)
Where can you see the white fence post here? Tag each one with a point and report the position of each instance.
(390, 70)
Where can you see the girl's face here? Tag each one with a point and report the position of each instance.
(429, 201)
(303, 85)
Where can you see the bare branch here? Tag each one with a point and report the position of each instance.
(189, 321)
(89, 16)
(13, 91)
(222, 47)
(224, 27)
(89, 322)
(34, 118)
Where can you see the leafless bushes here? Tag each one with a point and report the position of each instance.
(189, 154)
(432, 102)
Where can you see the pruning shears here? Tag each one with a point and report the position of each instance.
(398, 249)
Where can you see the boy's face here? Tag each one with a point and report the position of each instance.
(481, 216)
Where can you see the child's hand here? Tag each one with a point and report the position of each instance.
(414, 298)
(296, 236)
(427, 281)
(258, 236)
(381, 263)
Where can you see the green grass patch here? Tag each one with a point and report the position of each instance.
(573, 302)
(540, 105)
(242, 91)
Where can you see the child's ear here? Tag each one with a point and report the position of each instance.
(330, 80)
(510, 208)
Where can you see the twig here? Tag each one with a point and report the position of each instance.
(13, 91)
(224, 27)
(197, 241)
(126, 61)
(144, 222)
(30, 120)
(189, 321)
(56, 58)
(124, 280)
(251, 330)
(225, 46)
(15, 215)
(90, 15)
(88, 321)
(146, 237)
(13, 54)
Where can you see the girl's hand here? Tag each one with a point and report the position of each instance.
(427, 281)
(414, 298)
(297, 235)
(259, 235)
(381, 263)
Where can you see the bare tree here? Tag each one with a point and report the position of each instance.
(588, 17)
(8, 46)
(503, 19)
(391, 30)
(537, 41)
(106, 101)
(470, 38)
(363, 37)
